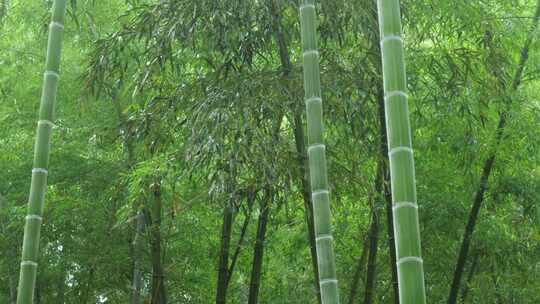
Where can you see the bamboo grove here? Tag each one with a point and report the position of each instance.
(372, 151)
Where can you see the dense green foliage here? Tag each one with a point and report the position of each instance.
(175, 115)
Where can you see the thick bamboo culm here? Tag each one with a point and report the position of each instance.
(405, 208)
(30, 250)
(317, 156)
(400, 152)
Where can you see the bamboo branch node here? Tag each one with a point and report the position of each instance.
(310, 5)
(57, 24)
(328, 281)
(46, 122)
(391, 94)
(391, 38)
(29, 263)
(410, 259)
(313, 99)
(52, 73)
(316, 146)
(310, 52)
(319, 192)
(398, 205)
(400, 149)
(324, 237)
(34, 217)
(40, 170)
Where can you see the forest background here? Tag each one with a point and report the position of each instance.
(179, 162)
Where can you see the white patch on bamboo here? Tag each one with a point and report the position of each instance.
(391, 37)
(57, 24)
(321, 146)
(324, 237)
(303, 6)
(46, 122)
(52, 73)
(391, 94)
(34, 217)
(313, 99)
(319, 192)
(29, 263)
(400, 149)
(40, 170)
(409, 259)
(328, 281)
(404, 205)
(310, 52)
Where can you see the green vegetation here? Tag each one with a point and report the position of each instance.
(189, 164)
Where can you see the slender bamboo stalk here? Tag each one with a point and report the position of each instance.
(159, 295)
(386, 192)
(317, 157)
(11, 281)
(405, 209)
(490, 161)
(299, 140)
(360, 264)
(258, 249)
(251, 196)
(371, 274)
(223, 274)
(30, 251)
(136, 283)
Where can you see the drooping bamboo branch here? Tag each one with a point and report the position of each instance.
(317, 156)
(405, 209)
(38, 186)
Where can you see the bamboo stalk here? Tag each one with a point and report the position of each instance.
(405, 209)
(317, 156)
(30, 251)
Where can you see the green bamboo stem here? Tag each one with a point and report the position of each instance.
(30, 250)
(405, 208)
(317, 156)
